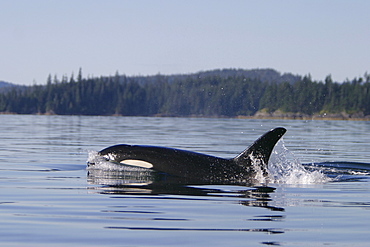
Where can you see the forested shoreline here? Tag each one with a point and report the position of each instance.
(220, 93)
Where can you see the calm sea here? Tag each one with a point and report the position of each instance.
(319, 193)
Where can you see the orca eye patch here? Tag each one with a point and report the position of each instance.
(137, 163)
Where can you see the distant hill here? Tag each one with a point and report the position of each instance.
(262, 75)
(5, 84)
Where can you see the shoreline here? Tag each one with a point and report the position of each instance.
(328, 117)
(307, 118)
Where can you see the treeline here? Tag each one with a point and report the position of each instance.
(204, 94)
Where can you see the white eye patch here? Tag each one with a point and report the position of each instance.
(138, 163)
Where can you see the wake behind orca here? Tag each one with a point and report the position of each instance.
(197, 166)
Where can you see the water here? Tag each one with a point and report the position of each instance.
(49, 198)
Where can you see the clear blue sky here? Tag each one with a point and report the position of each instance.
(146, 37)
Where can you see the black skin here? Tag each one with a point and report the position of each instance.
(199, 166)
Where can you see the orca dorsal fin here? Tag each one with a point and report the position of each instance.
(261, 149)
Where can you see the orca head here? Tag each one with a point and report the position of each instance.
(122, 154)
(115, 153)
(112, 154)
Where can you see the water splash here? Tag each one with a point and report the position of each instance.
(284, 168)
(258, 167)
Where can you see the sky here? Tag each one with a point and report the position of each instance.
(147, 37)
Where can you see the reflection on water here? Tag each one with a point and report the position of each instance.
(269, 231)
(136, 181)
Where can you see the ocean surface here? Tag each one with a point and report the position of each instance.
(318, 193)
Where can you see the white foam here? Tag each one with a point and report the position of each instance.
(257, 167)
(284, 168)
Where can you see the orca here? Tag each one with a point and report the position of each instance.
(187, 164)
